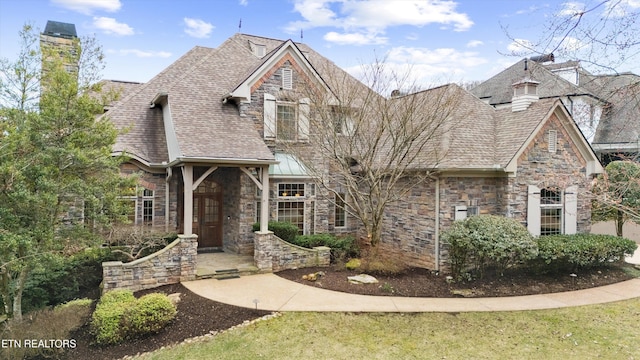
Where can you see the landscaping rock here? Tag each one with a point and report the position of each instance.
(362, 279)
(175, 298)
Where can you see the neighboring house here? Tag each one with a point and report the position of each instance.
(605, 107)
(206, 135)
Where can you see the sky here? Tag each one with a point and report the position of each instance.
(438, 40)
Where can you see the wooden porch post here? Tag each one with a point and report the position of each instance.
(264, 201)
(187, 176)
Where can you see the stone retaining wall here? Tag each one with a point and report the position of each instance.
(173, 264)
(275, 254)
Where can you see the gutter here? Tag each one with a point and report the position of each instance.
(222, 161)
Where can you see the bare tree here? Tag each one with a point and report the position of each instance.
(366, 150)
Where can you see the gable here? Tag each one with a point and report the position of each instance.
(570, 148)
(289, 54)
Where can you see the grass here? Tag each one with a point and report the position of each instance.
(608, 331)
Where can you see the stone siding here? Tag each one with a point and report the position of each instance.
(173, 264)
(275, 254)
(564, 168)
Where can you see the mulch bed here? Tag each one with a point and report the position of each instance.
(415, 282)
(199, 316)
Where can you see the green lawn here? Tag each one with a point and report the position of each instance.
(610, 331)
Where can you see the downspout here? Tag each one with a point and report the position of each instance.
(167, 214)
(437, 226)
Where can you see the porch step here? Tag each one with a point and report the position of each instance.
(222, 274)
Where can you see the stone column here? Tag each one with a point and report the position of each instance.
(263, 250)
(188, 257)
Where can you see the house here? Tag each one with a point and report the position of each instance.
(605, 107)
(207, 135)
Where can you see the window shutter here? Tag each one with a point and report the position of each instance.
(269, 116)
(533, 210)
(303, 119)
(571, 210)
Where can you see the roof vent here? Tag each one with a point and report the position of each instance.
(258, 50)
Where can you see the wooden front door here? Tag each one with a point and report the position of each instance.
(207, 214)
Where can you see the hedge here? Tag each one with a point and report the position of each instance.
(284, 230)
(569, 252)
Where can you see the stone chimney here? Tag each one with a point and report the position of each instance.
(525, 92)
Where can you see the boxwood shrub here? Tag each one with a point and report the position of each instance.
(487, 240)
(570, 252)
(342, 247)
(284, 230)
(106, 319)
(119, 316)
(150, 314)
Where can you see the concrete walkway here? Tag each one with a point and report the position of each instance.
(273, 293)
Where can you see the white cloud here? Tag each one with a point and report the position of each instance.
(87, 7)
(519, 46)
(197, 28)
(112, 26)
(354, 38)
(142, 53)
(244, 2)
(369, 17)
(428, 67)
(570, 9)
(622, 8)
(474, 43)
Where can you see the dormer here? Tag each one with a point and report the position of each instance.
(258, 50)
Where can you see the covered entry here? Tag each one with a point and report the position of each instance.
(207, 214)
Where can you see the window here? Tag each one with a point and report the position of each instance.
(286, 124)
(286, 120)
(340, 215)
(293, 212)
(139, 206)
(552, 210)
(290, 190)
(147, 207)
(287, 79)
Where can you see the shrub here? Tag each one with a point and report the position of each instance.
(63, 278)
(488, 240)
(150, 314)
(105, 321)
(284, 230)
(119, 316)
(51, 323)
(569, 252)
(342, 247)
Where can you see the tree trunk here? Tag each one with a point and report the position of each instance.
(6, 293)
(17, 298)
(619, 222)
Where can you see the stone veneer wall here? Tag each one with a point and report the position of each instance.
(564, 168)
(173, 264)
(275, 254)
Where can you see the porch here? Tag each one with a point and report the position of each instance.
(224, 265)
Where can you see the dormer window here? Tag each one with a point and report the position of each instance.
(258, 50)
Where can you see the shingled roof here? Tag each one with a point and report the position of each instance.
(204, 126)
(479, 137)
(498, 90)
